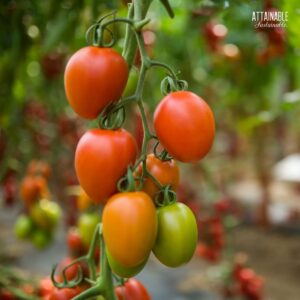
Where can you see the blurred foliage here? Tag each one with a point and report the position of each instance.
(38, 36)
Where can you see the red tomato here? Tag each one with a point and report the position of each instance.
(166, 172)
(132, 290)
(185, 126)
(75, 243)
(101, 159)
(46, 287)
(64, 294)
(72, 271)
(129, 227)
(94, 77)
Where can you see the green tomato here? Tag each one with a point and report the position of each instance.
(87, 224)
(122, 271)
(40, 238)
(23, 227)
(177, 235)
(45, 213)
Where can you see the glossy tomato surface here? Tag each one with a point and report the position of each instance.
(101, 159)
(177, 235)
(122, 271)
(94, 77)
(129, 227)
(132, 290)
(185, 126)
(166, 172)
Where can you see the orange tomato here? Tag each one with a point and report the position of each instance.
(101, 159)
(166, 172)
(129, 227)
(94, 77)
(185, 126)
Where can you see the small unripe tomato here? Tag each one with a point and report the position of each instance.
(129, 227)
(166, 172)
(185, 126)
(23, 227)
(177, 235)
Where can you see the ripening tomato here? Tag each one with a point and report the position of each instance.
(129, 227)
(40, 238)
(45, 213)
(176, 236)
(87, 224)
(94, 77)
(101, 159)
(32, 188)
(185, 126)
(166, 172)
(72, 271)
(132, 290)
(122, 271)
(83, 201)
(46, 286)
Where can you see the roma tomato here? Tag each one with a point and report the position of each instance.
(94, 77)
(87, 224)
(129, 227)
(132, 290)
(185, 126)
(122, 271)
(176, 236)
(166, 172)
(101, 159)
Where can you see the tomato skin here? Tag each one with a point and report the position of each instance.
(129, 227)
(177, 235)
(132, 290)
(75, 243)
(185, 126)
(166, 172)
(122, 271)
(64, 294)
(101, 159)
(93, 78)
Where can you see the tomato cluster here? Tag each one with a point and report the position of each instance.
(41, 214)
(244, 281)
(140, 213)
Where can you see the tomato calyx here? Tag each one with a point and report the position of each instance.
(128, 182)
(171, 84)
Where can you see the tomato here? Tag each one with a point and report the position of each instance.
(75, 242)
(83, 201)
(32, 188)
(87, 224)
(132, 290)
(40, 238)
(129, 227)
(64, 294)
(101, 159)
(177, 235)
(94, 77)
(45, 213)
(45, 286)
(122, 271)
(185, 126)
(166, 172)
(23, 227)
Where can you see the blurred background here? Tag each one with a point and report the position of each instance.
(245, 193)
